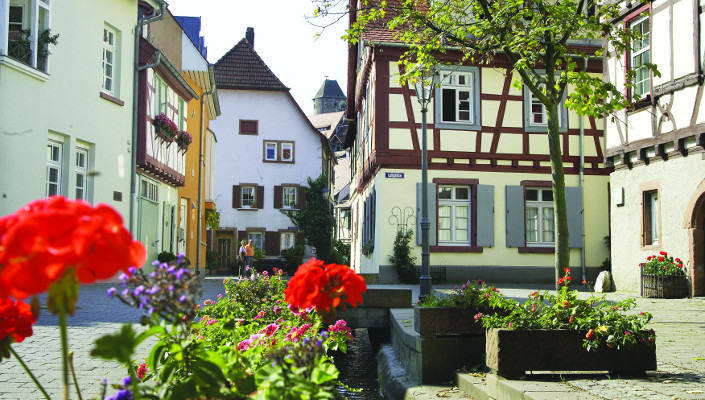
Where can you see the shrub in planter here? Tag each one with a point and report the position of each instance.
(663, 276)
(292, 258)
(601, 326)
(401, 258)
(457, 312)
(166, 257)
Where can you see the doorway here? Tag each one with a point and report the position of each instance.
(696, 227)
(224, 245)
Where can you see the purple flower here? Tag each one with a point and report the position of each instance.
(125, 292)
(179, 273)
(153, 290)
(152, 274)
(170, 288)
(182, 298)
(127, 380)
(139, 289)
(123, 276)
(111, 292)
(155, 262)
(122, 394)
(132, 270)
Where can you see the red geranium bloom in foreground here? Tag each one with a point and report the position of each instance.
(42, 239)
(16, 319)
(324, 286)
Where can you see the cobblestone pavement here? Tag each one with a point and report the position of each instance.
(96, 315)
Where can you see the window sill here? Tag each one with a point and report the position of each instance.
(277, 161)
(111, 99)
(456, 249)
(247, 209)
(23, 68)
(537, 250)
(639, 105)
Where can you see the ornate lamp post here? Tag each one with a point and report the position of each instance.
(424, 86)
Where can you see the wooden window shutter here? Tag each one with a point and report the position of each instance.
(432, 221)
(236, 196)
(241, 235)
(514, 199)
(260, 197)
(271, 243)
(299, 239)
(301, 197)
(484, 221)
(574, 211)
(278, 193)
(646, 219)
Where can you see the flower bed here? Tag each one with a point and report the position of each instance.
(663, 276)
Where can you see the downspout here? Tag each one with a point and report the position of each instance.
(581, 178)
(135, 90)
(201, 163)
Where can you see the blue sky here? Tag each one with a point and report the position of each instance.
(284, 39)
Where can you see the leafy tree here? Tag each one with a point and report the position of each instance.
(316, 219)
(534, 37)
(402, 259)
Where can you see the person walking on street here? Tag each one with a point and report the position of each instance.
(241, 256)
(249, 256)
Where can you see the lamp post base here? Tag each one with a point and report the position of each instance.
(424, 286)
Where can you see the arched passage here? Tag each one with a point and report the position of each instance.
(695, 223)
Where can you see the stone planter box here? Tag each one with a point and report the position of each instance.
(513, 352)
(438, 321)
(664, 286)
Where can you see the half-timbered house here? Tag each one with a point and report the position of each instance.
(655, 148)
(489, 174)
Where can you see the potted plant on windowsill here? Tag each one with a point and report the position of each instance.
(663, 276)
(183, 139)
(165, 128)
(457, 313)
(564, 333)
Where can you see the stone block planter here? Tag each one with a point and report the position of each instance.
(438, 321)
(664, 286)
(513, 352)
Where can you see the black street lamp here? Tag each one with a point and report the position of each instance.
(424, 86)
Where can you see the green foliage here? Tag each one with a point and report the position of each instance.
(662, 264)
(211, 258)
(292, 258)
(212, 219)
(316, 219)
(470, 296)
(166, 257)
(401, 257)
(19, 48)
(340, 253)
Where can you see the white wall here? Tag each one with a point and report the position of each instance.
(239, 157)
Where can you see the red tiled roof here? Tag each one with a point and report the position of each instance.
(378, 31)
(242, 68)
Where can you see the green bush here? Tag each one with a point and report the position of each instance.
(166, 257)
(211, 258)
(402, 260)
(340, 253)
(292, 258)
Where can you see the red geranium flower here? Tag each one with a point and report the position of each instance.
(42, 239)
(16, 319)
(324, 286)
(660, 259)
(663, 253)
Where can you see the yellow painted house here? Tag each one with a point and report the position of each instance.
(490, 199)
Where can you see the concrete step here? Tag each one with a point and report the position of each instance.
(493, 387)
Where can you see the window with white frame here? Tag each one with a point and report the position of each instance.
(24, 19)
(640, 55)
(108, 60)
(536, 113)
(81, 171)
(270, 151)
(54, 168)
(454, 214)
(182, 114)
(149, 191)
(248, 196)
(457, 97)
(287, 152)
(540, 226)
(289, 197)
(257, 239)
(286, 240)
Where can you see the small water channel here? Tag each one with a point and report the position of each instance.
(358, 368)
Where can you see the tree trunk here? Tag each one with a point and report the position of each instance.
(562, 259)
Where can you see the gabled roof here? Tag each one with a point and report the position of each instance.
(242, 68)
(329, 121)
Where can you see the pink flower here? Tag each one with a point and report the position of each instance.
(259, 315)
(220, 295)
(478, 316)
(211, 322)
(269, 330)
(207, 302)
(142, 371)
(244, 345)
(510, 325)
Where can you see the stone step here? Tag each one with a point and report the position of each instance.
(493, 387)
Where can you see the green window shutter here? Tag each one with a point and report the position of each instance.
(514, 200)
(432, 211)
(485, 215)
(574, 206)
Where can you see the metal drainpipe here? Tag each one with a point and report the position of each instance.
(201, 162)
(135, 90)
(581, 177)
